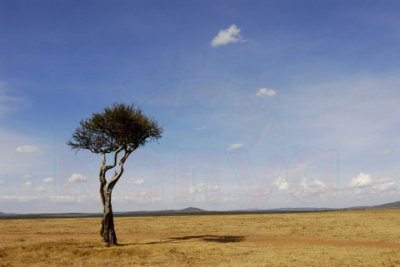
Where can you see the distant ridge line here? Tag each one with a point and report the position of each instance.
(192, 211)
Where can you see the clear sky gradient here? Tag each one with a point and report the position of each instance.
(264, 104)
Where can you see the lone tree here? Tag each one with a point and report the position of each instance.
(118, 130)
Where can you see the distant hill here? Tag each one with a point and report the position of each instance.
(391, 205)
(193, 211)
(388, 205)
(3, 214)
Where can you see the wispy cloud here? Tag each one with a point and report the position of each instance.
(18, 198)
(8, 102)
(70, 198)
(384, 185)
(235, 146)
(364, 183)
(362, 180)
(29, 187)
(77, 178)
(141, 197)
(311, 188)
(281, 184)
(216, 188)
(196, 188)
(138, 181)
(227, 36)
(385, 152)
(28, 149)
(48, 180)
(266, 92)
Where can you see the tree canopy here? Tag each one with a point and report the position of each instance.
(120, 126)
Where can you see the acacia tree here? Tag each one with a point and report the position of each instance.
(118, 130)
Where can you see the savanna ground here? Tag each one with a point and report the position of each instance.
(363, 238)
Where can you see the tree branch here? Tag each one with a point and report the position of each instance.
(126, 155)
(110, 185)
(115, 159)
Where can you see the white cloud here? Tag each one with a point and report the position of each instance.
(141, 197)
(257, 191)
(378, 186)
(29, 187)
(64, 198)
(227, 36)
(235, 146)
(281, 184)
(17, 164)
(39, 189)
(310, 188)
(77, 178)
(384, 185)
(216, 188)
(19, 198)
(365, 184)
(67, 198)
(48, 180)
(196, 188)
(362, 180)
(28, 149)
(70, 198)
(266, 92)
(138, 181)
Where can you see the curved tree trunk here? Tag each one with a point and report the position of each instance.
(107, 231)
(107, 224)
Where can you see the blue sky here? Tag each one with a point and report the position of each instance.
(264, 104)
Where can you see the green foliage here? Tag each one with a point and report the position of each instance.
(120, 126)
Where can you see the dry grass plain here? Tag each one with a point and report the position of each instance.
(363, 238)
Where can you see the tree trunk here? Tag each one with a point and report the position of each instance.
(107, 231)
(107, 224)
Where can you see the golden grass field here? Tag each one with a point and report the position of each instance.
(363, 238)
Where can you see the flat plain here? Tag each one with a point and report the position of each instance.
(349, 238)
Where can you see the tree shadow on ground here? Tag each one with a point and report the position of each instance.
(206, 238)
(212, 238)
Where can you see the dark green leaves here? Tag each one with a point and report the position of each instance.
(117, 126)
